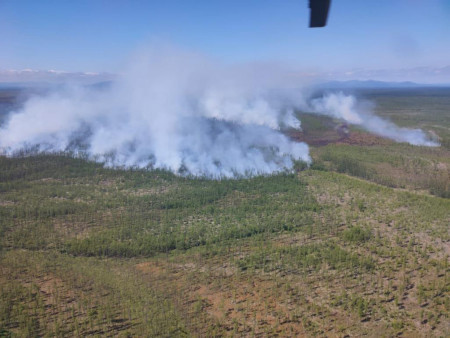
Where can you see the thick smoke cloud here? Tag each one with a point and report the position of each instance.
(347, 108)
(172, 110)
(183, 112)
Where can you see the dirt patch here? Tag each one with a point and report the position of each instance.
(50, 179)
(253, 308)
(150, 268)
(108, 183)
(442, 166)
(57, 297)
(148, 191)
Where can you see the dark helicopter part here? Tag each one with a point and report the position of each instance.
(319, 12)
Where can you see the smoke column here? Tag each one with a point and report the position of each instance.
(347, 108)
(173, 110)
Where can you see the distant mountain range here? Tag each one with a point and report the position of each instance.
(422, 75)
(358, 78)
(372, 84)
(27, 77)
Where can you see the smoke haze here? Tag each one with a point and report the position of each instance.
(183, 112)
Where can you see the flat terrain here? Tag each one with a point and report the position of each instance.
(357, 244)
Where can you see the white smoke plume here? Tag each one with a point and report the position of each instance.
(347, 108)
(183, 112)
(173, 110)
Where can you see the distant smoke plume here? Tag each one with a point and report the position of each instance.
(171, 110)
(185, 113)
(347, 108)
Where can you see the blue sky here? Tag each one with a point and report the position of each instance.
(99, 35)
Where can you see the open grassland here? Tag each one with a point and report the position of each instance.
(358, 244)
